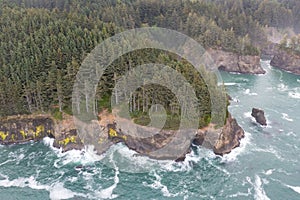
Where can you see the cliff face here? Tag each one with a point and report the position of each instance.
(221, 140)
(282, 59)
(287, 61)
(232, 62)
(22, 129)
(229, 138)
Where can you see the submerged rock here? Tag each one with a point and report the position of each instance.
(259, 116)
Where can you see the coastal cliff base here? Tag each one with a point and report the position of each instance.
(160, 144)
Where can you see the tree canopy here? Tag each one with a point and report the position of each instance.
(43, 43)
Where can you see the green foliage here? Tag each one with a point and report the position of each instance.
(56, 114)
(43, 45)
(104, 103)
(291, 45)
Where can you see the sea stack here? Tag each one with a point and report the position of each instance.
(259, 116)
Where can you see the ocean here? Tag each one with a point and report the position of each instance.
(265, 166)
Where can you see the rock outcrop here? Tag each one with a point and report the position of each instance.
(20, 129)
(232, 62)
(65, 134)
(286, 60)
(229, 138)
(148, 141)
(282, 58)
(259, 116)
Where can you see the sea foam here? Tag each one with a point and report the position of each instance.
(260, 193)
(233, 155)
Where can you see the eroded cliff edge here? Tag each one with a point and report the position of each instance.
(284, 59)
(20, 129)
(232, 62)
(287, 61)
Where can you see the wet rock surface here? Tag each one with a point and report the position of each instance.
(229, 137)
(20, 129)
(259, 116)
(147, 141)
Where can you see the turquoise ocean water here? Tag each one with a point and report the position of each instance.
(265, 166)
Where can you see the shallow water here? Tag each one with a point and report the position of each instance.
(265, 166)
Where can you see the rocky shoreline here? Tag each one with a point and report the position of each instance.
(232, 62)
(20, 129)
(289, 62)
(282, 59)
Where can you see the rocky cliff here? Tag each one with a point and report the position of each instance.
(22, 129)
(287, 61)
(229, 138)
(282, 59)
(233, 62)
(19, 129)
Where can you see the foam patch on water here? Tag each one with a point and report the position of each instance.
(195, 156)
(230, 84)
(260, 193)
(269, 172)
(57, 191)
(286, 117)
(248, 115)
(157, 184)
(85, 156)
(247, 92)
(235, 100)
(282, 87)
(130, 161)
(295, 95)
(5, 162)
(108, 192)
(240, 194)
(295, 188)
(233, 155)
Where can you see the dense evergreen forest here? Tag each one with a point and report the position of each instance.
(43, 42)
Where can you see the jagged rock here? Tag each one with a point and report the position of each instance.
(232, 62)
(207, 136)
(287, 61)
(148, 141)
(229, 138)
(259, 116)
(20, 129)
(68, 141)
(199, 138)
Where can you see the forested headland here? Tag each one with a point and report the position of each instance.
(43, 43)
